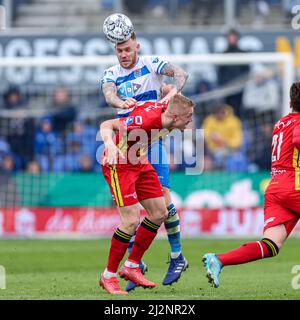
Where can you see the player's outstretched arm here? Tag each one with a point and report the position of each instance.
(180, 77)
(107, 130)
(110, 93)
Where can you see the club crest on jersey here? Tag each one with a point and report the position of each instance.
(128, 121)
(137, 73)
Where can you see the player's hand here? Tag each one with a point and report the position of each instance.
(129, 103)
(169, 95)
(112, 155)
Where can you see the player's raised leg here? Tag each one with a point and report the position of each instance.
(145, 234)
(268, 247)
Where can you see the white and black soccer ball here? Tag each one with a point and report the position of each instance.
(117, 28)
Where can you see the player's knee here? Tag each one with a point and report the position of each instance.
(273, 248)
(130, 224)
(129, 227)
(161, 215)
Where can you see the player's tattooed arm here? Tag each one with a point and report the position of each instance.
(110, 93)
(180, 76)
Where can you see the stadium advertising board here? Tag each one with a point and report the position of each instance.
(102, 222)
(151, 44)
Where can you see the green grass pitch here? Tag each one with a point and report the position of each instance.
(68, 269)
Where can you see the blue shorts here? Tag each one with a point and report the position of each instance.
(157, 155)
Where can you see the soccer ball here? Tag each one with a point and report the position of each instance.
(117, 28)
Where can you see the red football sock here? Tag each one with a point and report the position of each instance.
(145, 234)
(118, 247)
(250, 251)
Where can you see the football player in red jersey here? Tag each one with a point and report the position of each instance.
(281, 199)
(133, 180)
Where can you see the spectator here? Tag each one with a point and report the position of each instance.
(230, 74)
(18, 130)
(135, 7)
(223, 135)
(85, 134)
(33, 167)
(203, 108)
(63, 112)
(261, 98)
(262, 150)
(262, 10)
(13, 99)
(47, 145)
(85, 163)
(205, 7)
(8, 164)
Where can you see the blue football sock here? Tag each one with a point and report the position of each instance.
(172, 225)
(131, 243)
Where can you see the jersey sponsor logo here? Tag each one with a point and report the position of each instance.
(128, 121)
(281, 124)
(136, 87)
(126, 90)
(269, 220)
(131, 195)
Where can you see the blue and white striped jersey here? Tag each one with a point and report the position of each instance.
(142, 82)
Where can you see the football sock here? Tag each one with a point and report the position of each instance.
(130, 264)
(118, 247)
(131, 243)
(145, 234)
(250, 251)
(108, 275)
(172, 225)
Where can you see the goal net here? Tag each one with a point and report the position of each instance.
(51, 109)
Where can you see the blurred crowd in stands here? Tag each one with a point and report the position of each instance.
(200, 11)
(185, 12)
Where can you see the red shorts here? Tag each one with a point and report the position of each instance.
(282, 208)
(130, 184)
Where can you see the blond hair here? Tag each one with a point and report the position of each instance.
(179, 104)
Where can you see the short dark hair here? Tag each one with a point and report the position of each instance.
(133, 36)
(233, 31)
(295, 96)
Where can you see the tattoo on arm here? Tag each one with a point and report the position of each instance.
(179, 75)
(110, 93)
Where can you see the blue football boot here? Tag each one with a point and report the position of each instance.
(177, 266)
(213, 267)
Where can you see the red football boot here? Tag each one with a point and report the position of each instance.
(111, 285)
(136, 276)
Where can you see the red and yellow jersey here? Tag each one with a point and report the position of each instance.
(138, 130)
(285, 168)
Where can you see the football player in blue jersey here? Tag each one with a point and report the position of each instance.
(134, 79)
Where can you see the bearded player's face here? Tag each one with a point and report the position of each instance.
(127, 53)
